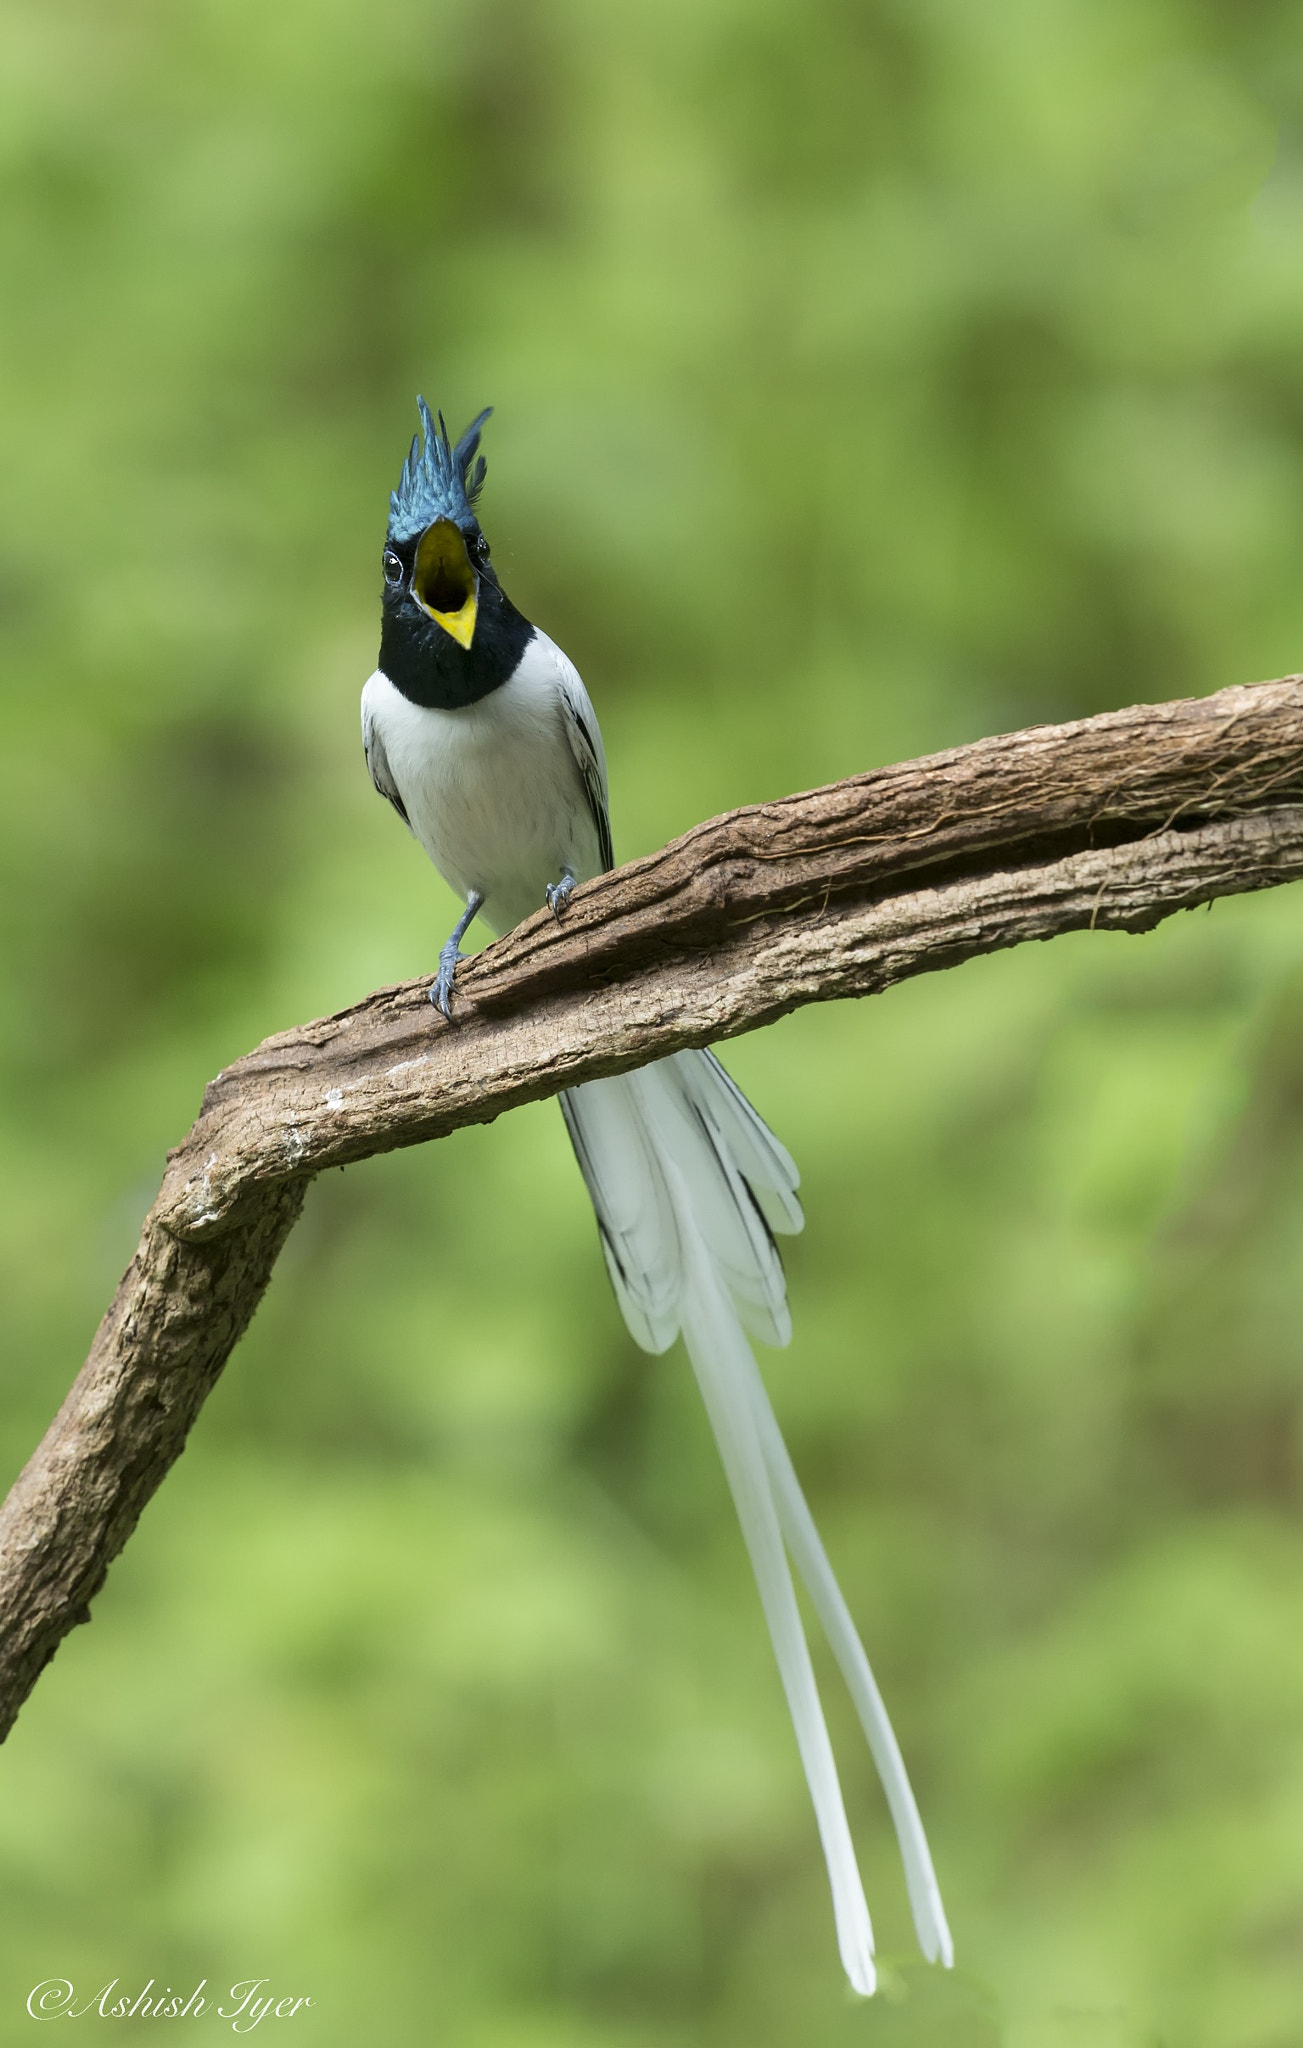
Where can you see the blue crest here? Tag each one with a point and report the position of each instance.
(438, 481)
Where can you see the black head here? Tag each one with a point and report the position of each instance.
(449, 635)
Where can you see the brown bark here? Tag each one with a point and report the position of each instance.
(1110, 823)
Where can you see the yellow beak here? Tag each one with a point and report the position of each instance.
(444, 583)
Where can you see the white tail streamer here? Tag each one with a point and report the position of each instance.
(715, 1342)
(688, 1183)
(811, 1561)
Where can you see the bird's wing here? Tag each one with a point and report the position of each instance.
(585, 737)
(378, 762)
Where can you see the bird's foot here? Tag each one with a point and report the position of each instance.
(450, 953)
(559, 893)
(441, 991)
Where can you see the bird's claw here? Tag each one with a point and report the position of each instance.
(441, 990)
(450, 953)
(559, 893)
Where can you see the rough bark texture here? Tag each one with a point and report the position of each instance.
(1110, 823)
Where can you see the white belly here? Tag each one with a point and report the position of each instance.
(493, 790)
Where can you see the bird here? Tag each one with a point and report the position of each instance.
(479, 732)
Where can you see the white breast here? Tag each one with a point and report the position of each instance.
(493, 790)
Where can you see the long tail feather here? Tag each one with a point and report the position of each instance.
(722, 1362)
(689, 1184)
(811, 1561)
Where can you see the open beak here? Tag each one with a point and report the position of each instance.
(444, 583)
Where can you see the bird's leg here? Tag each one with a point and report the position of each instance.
(449, 955)
(559, 893)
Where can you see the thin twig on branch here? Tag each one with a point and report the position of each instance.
(1110, 823)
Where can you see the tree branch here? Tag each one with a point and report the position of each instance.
(1110, 823)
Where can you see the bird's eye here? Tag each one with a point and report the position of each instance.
(393, 567)
(481, 548)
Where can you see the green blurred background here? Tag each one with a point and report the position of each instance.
(869, 377)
